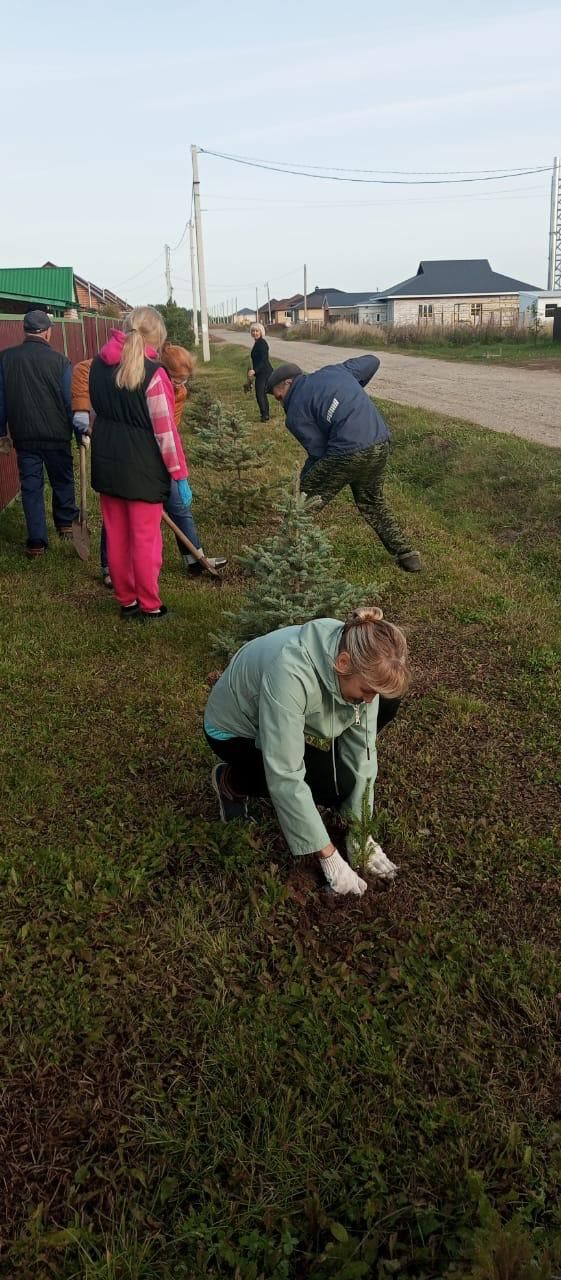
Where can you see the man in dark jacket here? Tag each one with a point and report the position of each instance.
(347, 442)
(35, 405)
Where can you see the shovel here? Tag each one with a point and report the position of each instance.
(190, 546)
(80, 531)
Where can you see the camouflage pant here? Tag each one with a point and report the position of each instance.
(364, 472)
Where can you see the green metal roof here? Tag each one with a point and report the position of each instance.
(53, 286)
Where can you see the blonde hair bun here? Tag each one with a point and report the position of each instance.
(360, 617)
(377, 651)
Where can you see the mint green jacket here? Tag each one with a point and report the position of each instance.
(277, 689)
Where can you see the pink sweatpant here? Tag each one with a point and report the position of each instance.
(134, 549)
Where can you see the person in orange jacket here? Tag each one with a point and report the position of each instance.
(82, 421)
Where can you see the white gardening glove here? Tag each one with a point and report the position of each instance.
(340, 876)
(375, 863)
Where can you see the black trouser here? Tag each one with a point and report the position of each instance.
(261, 380)
(248, 771)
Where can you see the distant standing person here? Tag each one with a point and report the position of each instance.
(347, 442)
(261, 369)
(35, 405)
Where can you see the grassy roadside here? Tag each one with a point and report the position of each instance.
(539, 352)
(206, 1071)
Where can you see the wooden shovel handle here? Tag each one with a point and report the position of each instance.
(190, 546)
(83, 485)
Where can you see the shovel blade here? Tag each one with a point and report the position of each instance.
(81, 539)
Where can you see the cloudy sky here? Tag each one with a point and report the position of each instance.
(101, 112)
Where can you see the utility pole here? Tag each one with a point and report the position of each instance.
(236, 313)
(194, 289)
(269, 303)
(554, 256)
(256, 305)
(200, 253)
(168, 274)
(305, 294)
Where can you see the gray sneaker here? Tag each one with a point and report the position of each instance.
(229, 809)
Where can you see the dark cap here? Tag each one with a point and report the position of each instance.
(281, 374)
(37, 322)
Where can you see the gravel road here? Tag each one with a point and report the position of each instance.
(518, 401)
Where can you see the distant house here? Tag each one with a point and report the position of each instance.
(352, 307)
(281, 310)
(245, 316)
(455, 291)
(330, 304)
(317, 305)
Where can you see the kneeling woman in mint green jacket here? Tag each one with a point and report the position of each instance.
(324, 678)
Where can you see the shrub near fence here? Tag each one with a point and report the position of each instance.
(77, 339)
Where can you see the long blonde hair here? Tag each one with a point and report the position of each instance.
(378, 652)
(144, 328)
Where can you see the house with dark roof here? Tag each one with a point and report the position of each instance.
(453, 292)
(245, 316)
(321, 303)
(280, 310)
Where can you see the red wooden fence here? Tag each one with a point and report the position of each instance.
(77, 339)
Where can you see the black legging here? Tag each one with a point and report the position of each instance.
(248, 771)
(261, 395)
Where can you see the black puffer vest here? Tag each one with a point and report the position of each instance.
(126, 461)
(34, 387)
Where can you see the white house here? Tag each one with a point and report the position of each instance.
(542, 307)
(455, 291)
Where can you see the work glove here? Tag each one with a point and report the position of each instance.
(340, 876)
(375, 863)
(184, 492)
(82, 432)
(5, 444)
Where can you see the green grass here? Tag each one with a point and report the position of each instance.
(512, 347)
(207, 1071)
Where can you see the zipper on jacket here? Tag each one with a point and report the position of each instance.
(357, 706)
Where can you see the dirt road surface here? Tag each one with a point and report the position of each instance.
(520, 402)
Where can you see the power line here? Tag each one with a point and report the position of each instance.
(141, 272)
(252, 201)
(382, 182)
(332, 168)
(181, 238)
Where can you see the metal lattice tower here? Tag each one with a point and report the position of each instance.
(554, 257)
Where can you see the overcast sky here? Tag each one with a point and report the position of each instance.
(100, 112)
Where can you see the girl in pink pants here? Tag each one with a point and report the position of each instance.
(134, 540)
(136, 452)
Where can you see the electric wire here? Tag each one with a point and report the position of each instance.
(332, 168)
(269, 167)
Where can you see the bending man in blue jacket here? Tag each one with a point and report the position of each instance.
(347, 442)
